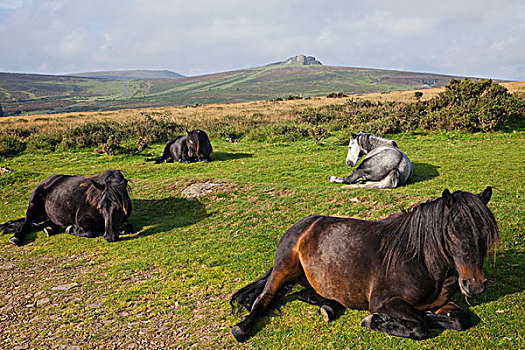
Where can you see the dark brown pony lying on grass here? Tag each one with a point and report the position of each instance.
(83, 206)
(194, 147)
(404, 269)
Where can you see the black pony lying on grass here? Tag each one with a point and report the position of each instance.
(194, 147)
(404, 269)
(83, 206)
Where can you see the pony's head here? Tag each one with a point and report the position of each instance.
(109, 194)
(453, 231)
(471, 229)
(193, 143)
(355, 151)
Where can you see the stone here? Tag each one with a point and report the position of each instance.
(66, 286)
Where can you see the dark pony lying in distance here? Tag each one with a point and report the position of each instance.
(194, 147)
(82, 206)
(404, 269)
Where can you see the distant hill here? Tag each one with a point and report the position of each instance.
(302, 76)
(130, 74)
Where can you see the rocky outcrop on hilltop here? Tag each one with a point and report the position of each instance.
(303, 60)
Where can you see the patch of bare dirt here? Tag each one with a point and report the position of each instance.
(49, 303)
(200, 189)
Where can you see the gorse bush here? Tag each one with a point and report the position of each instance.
(474, 106)
(468, 106)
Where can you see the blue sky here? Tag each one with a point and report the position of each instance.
(462, 37)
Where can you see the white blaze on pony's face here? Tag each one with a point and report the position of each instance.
(354, 152)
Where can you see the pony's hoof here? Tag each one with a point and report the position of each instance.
(327, 312)
(49, 231)
(126, 230)
(15, 241)
(367, 321)
(336, 179)
(239, 334)
(69, 230)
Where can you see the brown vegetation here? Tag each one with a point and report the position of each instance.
(194, 115)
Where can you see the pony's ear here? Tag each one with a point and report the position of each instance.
(448, 198)
(485, 195)
(353, 136)
(187, 131)
(98, 186)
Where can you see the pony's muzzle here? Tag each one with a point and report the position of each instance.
(472, 287)
(350, 163)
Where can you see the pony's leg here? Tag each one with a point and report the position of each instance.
(50, 228)
(450, 316)
(356, 175)
(34, 210)
(336, 179)
(390, 181)
(347, 180)
(187, 159)
(328, 308)
(85, 227)
(156, 160)
(242, 330)
(397, 317)
(166, 155)
(126, 228)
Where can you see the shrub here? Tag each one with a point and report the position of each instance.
(336, 95)
(112, 146)
(89, 135)
(44, 142)
(110, 134)
(11, 146)
(467, 106)
(472, 106)
(149, 130)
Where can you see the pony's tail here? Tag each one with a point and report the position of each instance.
(12, 227)
(245, 297)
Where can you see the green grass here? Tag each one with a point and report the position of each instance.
(168, 285)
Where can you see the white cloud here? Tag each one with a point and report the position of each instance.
(469, 37)
(10, 4)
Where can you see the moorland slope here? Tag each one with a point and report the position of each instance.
(37, 94)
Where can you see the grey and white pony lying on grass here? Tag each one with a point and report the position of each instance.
(384, 166)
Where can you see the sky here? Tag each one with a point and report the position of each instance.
(476, 38)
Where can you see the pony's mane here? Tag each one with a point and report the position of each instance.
(422, 232)
(115, 188)
(369, 141)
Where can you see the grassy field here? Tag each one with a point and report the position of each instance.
(168, 285)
